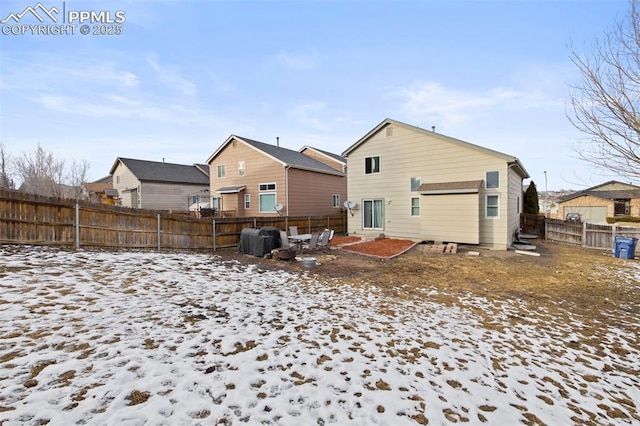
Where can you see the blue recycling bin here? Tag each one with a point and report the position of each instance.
(625, 247)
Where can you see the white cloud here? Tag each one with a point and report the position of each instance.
(102, 88)
(317, 115)
(451, 106)
(46, 72)
(170, 77)
(297, 61)
(107, 106)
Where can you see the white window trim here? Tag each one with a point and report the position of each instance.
(216, 201)
(247, 201)
(486, 181)
(336, 205)
(260, 201)
(275, 186)
(379, 164)
(373, 200)
(417, 180)
(486, 207)
(411, 207)
(224, 168)
(241, 168)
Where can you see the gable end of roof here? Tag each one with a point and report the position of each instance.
(387, 121)
(285, 156)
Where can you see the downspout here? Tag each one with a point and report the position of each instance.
(516, 226)
(286, 187)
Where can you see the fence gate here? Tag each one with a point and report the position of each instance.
(597, 236)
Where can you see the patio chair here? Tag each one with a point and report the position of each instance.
(287, 251)
(293, 230)
(284, 241)
(325, 237)
(313, 242)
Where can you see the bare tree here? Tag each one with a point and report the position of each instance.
(6, 182)
(41, 173)
(605, 105)
(77, 178)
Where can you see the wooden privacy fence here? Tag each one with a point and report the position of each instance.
(32, 219)
(588, 235)
(532, 224)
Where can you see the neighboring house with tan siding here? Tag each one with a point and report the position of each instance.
(609, 199)
(101, 191)
(251, 177)
(420, 185)
(336, 161)
(158, 185)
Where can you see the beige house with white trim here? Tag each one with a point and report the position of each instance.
(413, 183)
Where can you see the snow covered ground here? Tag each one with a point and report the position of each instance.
(146, 338)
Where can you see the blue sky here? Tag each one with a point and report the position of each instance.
(184, 75)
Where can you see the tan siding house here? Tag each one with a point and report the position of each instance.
(251, 178)
(332, 160)
(413, 183)
(101, 191)
(595, 204)
(158, 185)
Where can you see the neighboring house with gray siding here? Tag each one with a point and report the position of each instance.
(420, 185)
(158, 185)
(251, 178)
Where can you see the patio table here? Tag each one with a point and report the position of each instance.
(299, 240)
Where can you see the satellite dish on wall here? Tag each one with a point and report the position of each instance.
(350, 205)
(278, 208)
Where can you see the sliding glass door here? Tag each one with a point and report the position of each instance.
(372, 214)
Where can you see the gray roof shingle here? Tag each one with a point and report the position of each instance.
(631, 192)
(620, 194)
(290, 157)
(164, 172)
(336, 157)
(462, 187)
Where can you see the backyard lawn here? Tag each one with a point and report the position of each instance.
(143, 337)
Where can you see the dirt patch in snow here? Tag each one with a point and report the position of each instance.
(577, 279)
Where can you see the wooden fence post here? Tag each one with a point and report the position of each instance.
(158, 231)
(214, 234)
(613, 238)
(77, 226)
(584, 234)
